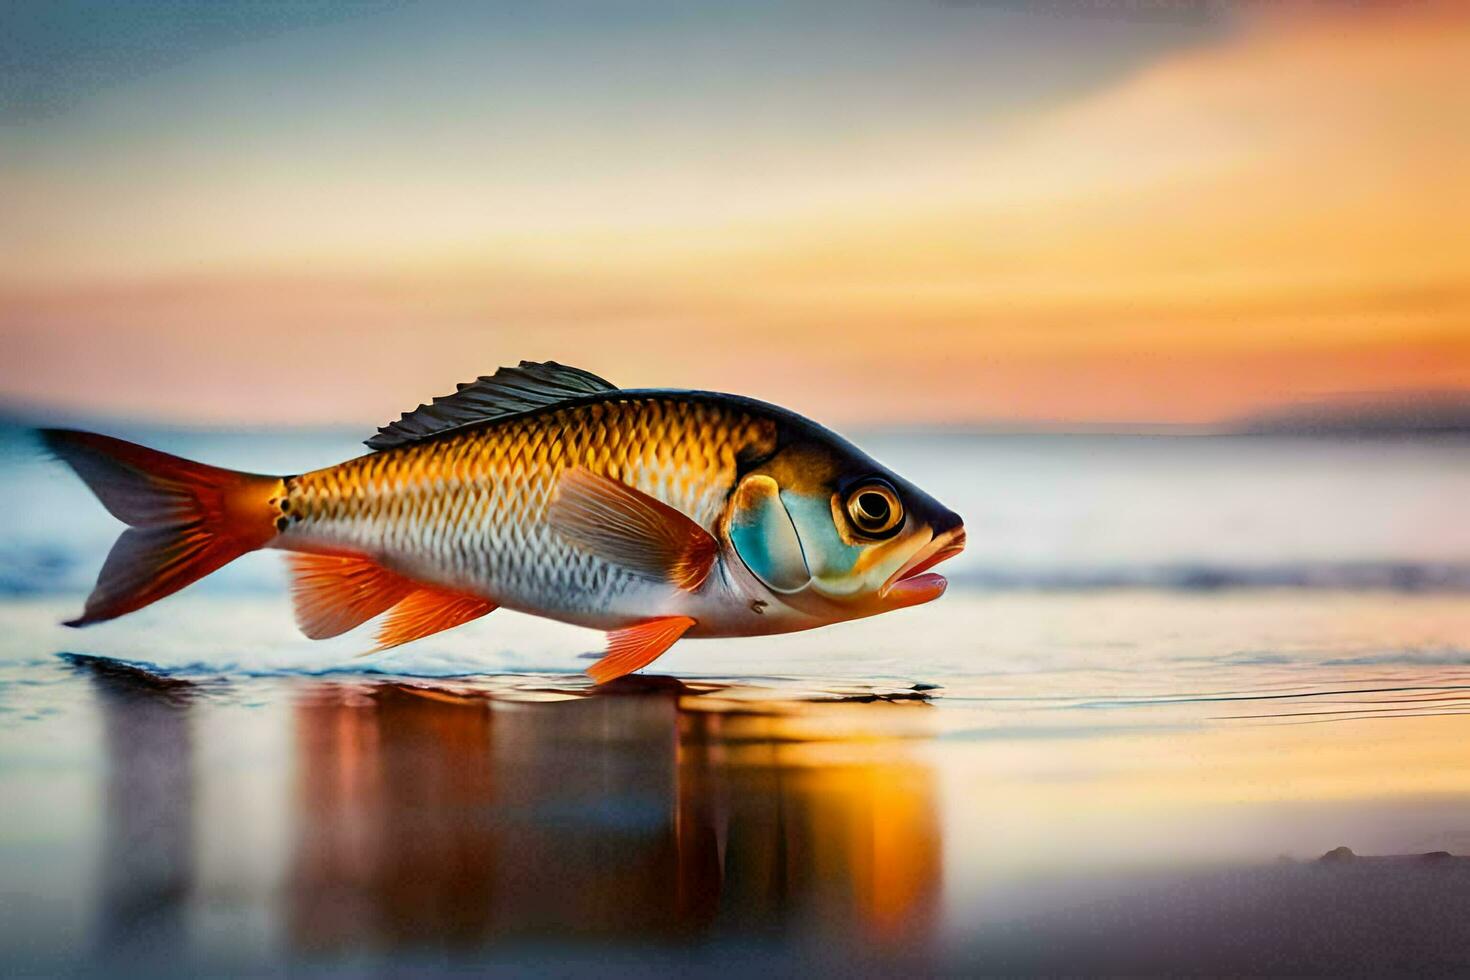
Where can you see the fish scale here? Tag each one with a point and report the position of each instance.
(468, 509)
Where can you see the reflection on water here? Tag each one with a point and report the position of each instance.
(1111, 793)
(147, 855)
(425, 818)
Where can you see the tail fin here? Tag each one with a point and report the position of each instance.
(186, 519)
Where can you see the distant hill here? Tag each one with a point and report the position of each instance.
(1422, 413)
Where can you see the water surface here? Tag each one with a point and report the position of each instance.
(1088, 756)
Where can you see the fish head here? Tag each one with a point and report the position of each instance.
(831, 532)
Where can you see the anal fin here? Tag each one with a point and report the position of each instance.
(334, 593)
(426, 611)
(638, 646)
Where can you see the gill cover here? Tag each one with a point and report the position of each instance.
(764, 537)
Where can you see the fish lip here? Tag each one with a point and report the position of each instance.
(942, 548)
(917, 589)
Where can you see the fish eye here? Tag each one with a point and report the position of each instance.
(875, 509)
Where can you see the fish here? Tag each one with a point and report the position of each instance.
(650, 514)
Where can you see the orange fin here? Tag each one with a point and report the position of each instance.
(334, 593)
(627, 527)
(186, 519)
(426, 611)
(638, 646)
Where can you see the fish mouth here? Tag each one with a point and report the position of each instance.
(914, 583)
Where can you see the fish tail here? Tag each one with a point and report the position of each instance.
(185, 519)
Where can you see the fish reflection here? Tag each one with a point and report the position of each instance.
(430, 818)
(147, 867)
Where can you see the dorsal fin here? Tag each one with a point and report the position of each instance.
(508, 391)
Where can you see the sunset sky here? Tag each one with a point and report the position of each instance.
(873, 212)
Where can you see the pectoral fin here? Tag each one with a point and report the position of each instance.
(638, 646)
(627, 527)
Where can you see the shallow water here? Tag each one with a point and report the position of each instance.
(1010, 779)
(199, 814)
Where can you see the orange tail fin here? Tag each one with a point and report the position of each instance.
(186, 519)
